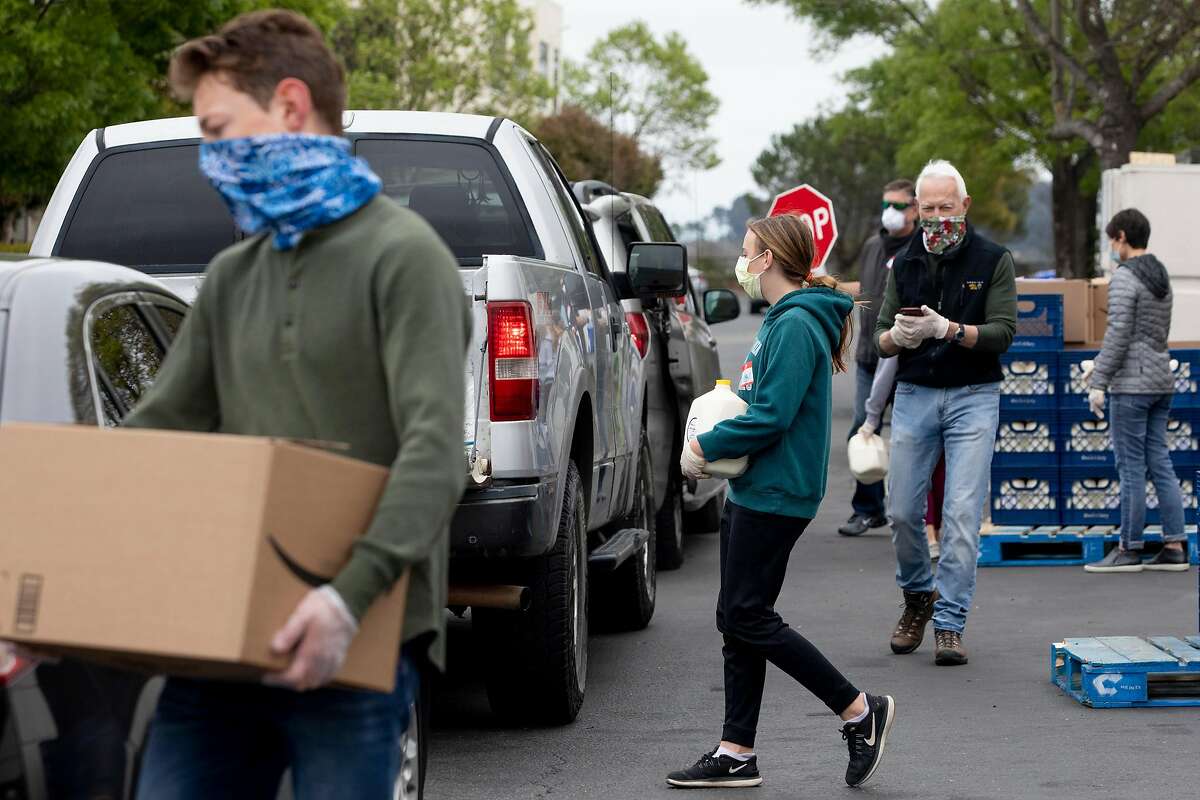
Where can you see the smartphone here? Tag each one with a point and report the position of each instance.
(912, 311)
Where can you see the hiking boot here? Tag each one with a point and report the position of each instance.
(950, 651)
(1168, 560)
(910, 630)
(1117, 560)
(867, 739)
(714, 770)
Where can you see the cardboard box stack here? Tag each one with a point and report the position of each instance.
(178, 552)
(1053, 462)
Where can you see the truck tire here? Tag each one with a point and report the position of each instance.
(537, 660)
(707, 518)
(625, 599)
(668, 524)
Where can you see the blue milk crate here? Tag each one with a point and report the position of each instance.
(1027, 439)
(1086, 441)
(1029, 381)
(1025, 496)
(1092, 496)
(1039, 323)
(1185, 364)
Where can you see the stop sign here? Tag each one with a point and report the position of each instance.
(817, 210)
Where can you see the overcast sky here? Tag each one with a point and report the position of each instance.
(761, 65)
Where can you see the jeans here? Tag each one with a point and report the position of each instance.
(961, 423)
(234, 740)
(868, 499)
(754, 554)
(1139, 436)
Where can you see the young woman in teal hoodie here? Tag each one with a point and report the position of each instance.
(787, 381)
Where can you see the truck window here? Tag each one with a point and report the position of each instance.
(459, 188)
(148, 208)
(566, 201)
(127, 357)
(660, 231)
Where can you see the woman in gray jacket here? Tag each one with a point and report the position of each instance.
(1133, 368)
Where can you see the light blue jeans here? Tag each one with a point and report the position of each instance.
(926, 422)
(1139, 435)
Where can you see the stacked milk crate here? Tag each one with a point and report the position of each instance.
(1054, 462)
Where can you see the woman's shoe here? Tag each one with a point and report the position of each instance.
(1168, 559)
(1117, 560)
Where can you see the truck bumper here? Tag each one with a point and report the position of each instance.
(509, 521)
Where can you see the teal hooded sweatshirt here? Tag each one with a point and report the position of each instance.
(787, 381)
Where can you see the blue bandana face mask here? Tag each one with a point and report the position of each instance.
(288, 183)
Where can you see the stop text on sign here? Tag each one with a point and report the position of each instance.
(817, 211)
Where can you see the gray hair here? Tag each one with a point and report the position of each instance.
(939, 168)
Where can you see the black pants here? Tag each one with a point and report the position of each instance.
(754, 556)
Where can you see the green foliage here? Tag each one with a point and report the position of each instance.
(655, 90)
(585, 148)
(67, 66)
(848, 155)
(14, 247)
(441, 55)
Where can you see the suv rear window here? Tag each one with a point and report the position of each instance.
(149, 208)
(459, 188)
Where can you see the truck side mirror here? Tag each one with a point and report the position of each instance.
(721, 305)
(658, 268)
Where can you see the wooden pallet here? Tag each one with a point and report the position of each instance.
(1128, 671)
(1059, 546)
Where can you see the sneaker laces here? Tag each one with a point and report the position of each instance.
(855, 740)
(913, 609)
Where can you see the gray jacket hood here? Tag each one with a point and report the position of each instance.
(1151, 272)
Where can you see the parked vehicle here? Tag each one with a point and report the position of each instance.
(560, 467)
(681, 363)
(81, 341)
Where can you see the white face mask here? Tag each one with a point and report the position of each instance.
(750, 282)
(894, 220)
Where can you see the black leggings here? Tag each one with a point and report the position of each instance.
(754, 556)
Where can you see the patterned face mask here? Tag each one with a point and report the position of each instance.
(288, 183)
(943, 233)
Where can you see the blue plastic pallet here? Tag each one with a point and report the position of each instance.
(1055, 546)
(1128, 671)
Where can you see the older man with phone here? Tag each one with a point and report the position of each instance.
(949, 311)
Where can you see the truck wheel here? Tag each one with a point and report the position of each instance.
(626, 601)
(538, 659)
(707, 518)
(668, 525)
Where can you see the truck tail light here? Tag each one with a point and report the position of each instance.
(12, 667)
(639, 331)
(512, 361)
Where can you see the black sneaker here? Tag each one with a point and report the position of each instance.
(1117, 560)
(857, 525)
(1168, 560)
(713, 770)
(867, 739)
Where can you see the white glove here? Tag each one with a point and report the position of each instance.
(318, 634)
(866, 430)
(901, 337)
(1086, 367)
(931, 326)
(1096, 402)
(691, 465)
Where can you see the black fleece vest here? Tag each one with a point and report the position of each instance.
(957, 288)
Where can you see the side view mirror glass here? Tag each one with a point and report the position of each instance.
(658, 268)
(721, 305)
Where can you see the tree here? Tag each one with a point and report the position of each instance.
(849, 155)
(68, 66)
(586, 148)
(1046, 86)
(655, 90)
(441, 55)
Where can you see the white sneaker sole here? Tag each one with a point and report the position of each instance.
(1166, 567)
(740, 783)
(883, 737)
(1102, 570)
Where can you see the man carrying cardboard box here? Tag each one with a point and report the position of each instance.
(340, 318)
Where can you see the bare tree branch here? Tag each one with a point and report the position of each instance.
(1162, 46)
(1057, 51)
(1072, 128)
(1091, 22)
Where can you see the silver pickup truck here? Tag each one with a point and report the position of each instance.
(561, 478)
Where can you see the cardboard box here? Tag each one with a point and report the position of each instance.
(1098, 315)
(1075, 303)
(179, 552)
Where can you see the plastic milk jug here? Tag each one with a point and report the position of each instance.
(707, 410)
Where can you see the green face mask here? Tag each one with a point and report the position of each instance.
(750, 282)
